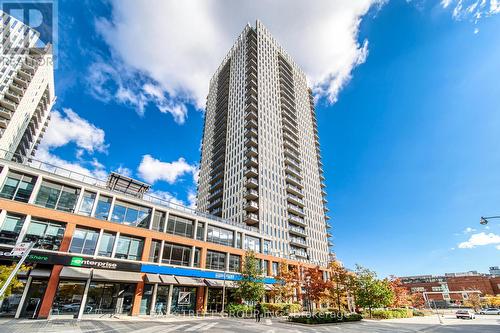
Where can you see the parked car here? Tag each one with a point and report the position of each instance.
(488, 311)
(465, 314)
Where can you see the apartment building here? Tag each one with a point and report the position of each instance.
(106, 247)
(26, 87)
(261, 162)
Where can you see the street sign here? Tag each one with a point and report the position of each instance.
(20, 248)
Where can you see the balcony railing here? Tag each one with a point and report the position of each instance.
(252, 183)
(251, 194)
(252, 206)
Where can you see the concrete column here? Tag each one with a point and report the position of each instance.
(50, 292)
(169, 300)
(243, 236)
(94, 208)
(152, 309)
(98, 244)
(23, 298)
(79, 200)
(206, 232)
(161, 251)
(115, 244)
(226, 265)
(3, 174)
(153, 210)
(3, 214)
(167, 214)
(36, 188)
(191, 258)
(113, 200)
(84, 300)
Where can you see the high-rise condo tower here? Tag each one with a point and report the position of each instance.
(260, 161)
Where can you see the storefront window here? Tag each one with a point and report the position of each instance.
(252, 244)
(174, 254)
(87, 203)
(183, 299)
(129, 214)
(154, 251)
(180, 226)
(68, 297)
(18, 186)
(11, 228)
(110, 298)
(197, 256)
(234, 263)
(146, 299)
(216, 260)
(11, 303)
(57, 196)
(161, 299)
(84, 241)
(200, 231)
(158, 221)
(220, 236)
(106, 244)
(129, 248)
(49, 235)
(103, 207)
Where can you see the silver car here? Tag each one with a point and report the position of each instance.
(488, 311)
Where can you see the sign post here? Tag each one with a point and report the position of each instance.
(23, 250)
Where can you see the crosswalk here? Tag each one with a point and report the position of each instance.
(173, 328)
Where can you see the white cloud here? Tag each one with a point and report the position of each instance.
(67, 126)
(153, 170)
(468, 230)
(472, 9)
(480, 239)
(117, 83)
(179, 44)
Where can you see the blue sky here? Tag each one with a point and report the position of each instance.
(408, 112)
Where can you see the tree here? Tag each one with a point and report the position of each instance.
(250, 287)
(370, 291)
(15, 283)
(417, 300)
(286, 283)
(341, 284)
(492, 301)
(401, 297)
(314, 285)
(474, 301)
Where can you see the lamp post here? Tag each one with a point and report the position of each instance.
(484, 219)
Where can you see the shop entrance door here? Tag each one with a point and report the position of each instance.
(34, 299)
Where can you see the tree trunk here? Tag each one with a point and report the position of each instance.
(370, 309)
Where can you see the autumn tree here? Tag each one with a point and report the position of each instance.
(251, 286)
(5, 271)
(370, 291)
(474, 301)
(401, 297)
(492, 301)
(417, 300)
(341, 284)
(314, 285)
(286, 283)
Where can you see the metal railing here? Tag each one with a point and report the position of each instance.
(90, 180)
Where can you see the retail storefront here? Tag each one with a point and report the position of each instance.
(89, 287)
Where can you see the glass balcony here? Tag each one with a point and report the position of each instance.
(295, 200)
(294, 209)
(294, 190)
(252, 183)
(251, 172)
(252, 161)
(4, 113)
(252, 152)
(293, 180)
(252, 206)
(297, 230)
(298, 242)
(251, 142)
(8, 104)
(251, 194)
(251, 218)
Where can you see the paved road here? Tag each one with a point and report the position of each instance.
(483, 324)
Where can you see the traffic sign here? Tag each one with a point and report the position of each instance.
(20, 248)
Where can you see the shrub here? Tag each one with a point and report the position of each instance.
(389, 314)
(239, 310)
(280, 309)
(421, 313)
(324, 318)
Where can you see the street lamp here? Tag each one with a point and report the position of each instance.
(484, 219)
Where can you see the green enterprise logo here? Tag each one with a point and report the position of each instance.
(76, 261)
